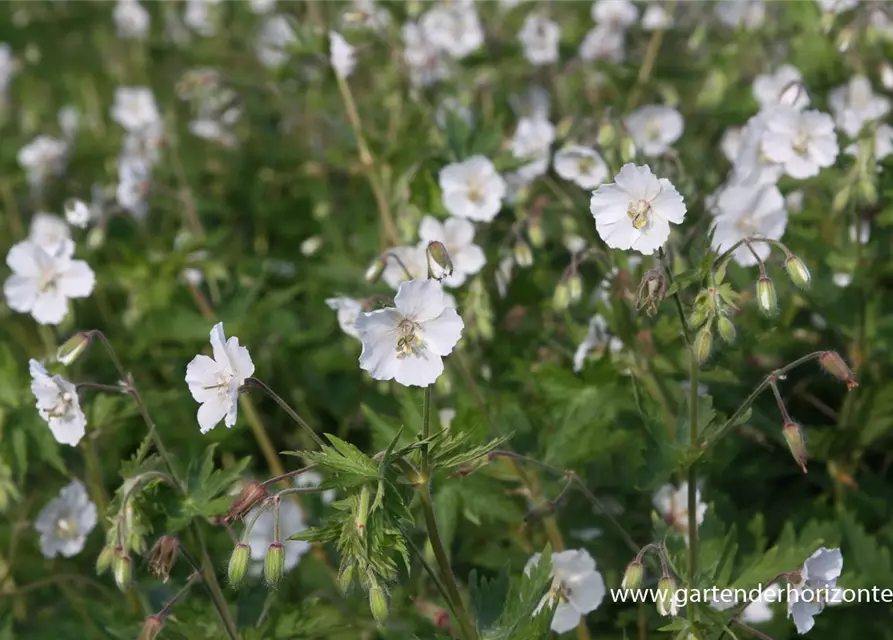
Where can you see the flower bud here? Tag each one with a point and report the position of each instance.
(886, 73)
(666, 591)
(841, 199)
(346, 576)
(72, 348)
(633, 575)
(834, 364)
(373, 273)
(361, 514)
(562, 296)
(607, 133)
(163, 556)
(575, 287)
(867, 191)
(238, 564)
(96, 237)
(523, 255)
(274, 564)
(151, 628)
(77, 213)
(251, 494)
(793, 435)
(442, 266)
(726, 329)
(767, 298)
(703, 344)
(104, 561)
(797, 271)
(698, 316)
(122, 568)
(535, 231)
(378, 604)
(627, 149)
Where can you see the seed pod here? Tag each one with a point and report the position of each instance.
(793, 435)
(562, 296)
(703, 344)
(378, 604)
(123, 569)
(104, 561)
(575, 287)
(251, 494)
(72, 348)
(726, 329)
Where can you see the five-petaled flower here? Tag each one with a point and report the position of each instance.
(65, 522)
(817, 581)
(58, 404)
(577, 587)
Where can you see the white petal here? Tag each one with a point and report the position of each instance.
(50, 308)
(565, 618)
(825, 564)
(441, 334)
(78, 280)
(669, 203)
(458, 232)
(470, 259)
(587, 592)
(420, 300)
(430, 230)
(419, 371)
(650, 241)
(22, 259)
(211, 413)
(609, 204)
(20, 293)
(639, 182)
(218, 345)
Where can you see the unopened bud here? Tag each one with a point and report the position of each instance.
(666, 592)
(703, 344)
(562, 296)
(373, 273)
(163, 556)
(698, 316)
(362, 513)
(238, 564)
(151, 628)
(274, 564)
(523, 254)
(886, 76)
(633, 575)
(841, 199)
(122, 567)
(575, 287)
(868, 191)
(442, 266)
(535, 232)
(627, 149)
(251, 494)
(346, 576)
(845, 39)
(797, 271)
(104, 561)
(767, 298)
(96, 237)
(72, 348)
(471, 466)
(834, 364)
(726, 329)
(607, 134)
(378, 604)
(793, 435)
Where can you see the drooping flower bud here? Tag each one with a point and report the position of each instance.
(346, 577)
(703, 344)
(535, 231)
(797, 271)
(666, 596)
(793, 435)
(274, 564)
(632, 577)
(378, 603)
(72, 348)
(834, 364)
(122, 567)
(726, 329)
(841, 199)
(238, 564)
(251, 494)
(523, 254)
(561, 298)
(440, 265)
(76, 212)
(575, 287)
(105, 558)
(373, 273)
(767, 298)
(163, 557)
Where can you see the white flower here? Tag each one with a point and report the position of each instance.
(842, 280)
(66, 521)
(201, 17)
(58, 404)
(656, 17)
(262, 535)
(454, 28)
(214, 382)
(472, 189)
(782, 88)
(635, 211)
(533, 140)
(751, 165)
(802, 142)
(347, 310)
(446, 417)
(457, 235)
(747, 212)
(262, 6)
(603, 43)
(69, 121)
(882, 147)
(426, 63)
(747, 14)
(581, 165)
(49, 232)
(131, 19)
(794, 201)
(731, 143)
(42, 158)
(213, 131)
(135, 109)
(77, 213)
(577, 587)
(539, 37)
(837, 6)
(134, 177)
(275, 38)
(820, 571)
(342, 54)
(408, 343)
(654, 128)
(597, 338)
(672, 505)
(41, 282)
(366, 13)
(618, 14)
(860, 233)
(405, 263)
(757, 611)
(855, 104)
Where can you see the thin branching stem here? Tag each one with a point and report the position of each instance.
(254, 382)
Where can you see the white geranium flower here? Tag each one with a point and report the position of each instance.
(604, 42)
(598, 338)
(784, 88)
(366, 14)
(457, 236)
(539, 37)
(135, 109)
(731, 143)
(656, 17)
(273, 41)
(577, 587)
(261, 7)
(347, 310)
(820, 571)
(58, 404)
(342, 55)
(751, 165)
(212, 131)
(581, 165)
(837, 6)
(405, 263)
(635, 211)
(454, 28)
(654, 128)
(472, 189)
(215, 381)
(446, 417)
(747, 212)
(855, 104)
(42, 158)
(426, 63)
(802, 142)
(134, 179)
(407, 343)
(201, 16)
(66, 521)
(672, 505)
(49, 232)
(262, 535)
(41, 282)
(131, 20)
(882, 147)
(618, 14)
(861, 232)
(794, 201)
(77, 213)
(741, 14)
(533, 140)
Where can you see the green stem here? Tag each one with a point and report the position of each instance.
(285, 407)
(692, 480)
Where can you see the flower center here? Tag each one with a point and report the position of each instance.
(66, 529)
(46, 283)
(585, 165)
(652, 130)
(408, 341)
(801, 142)
(560, 591)
(639, 212)
(475, 192)
(747, 226)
